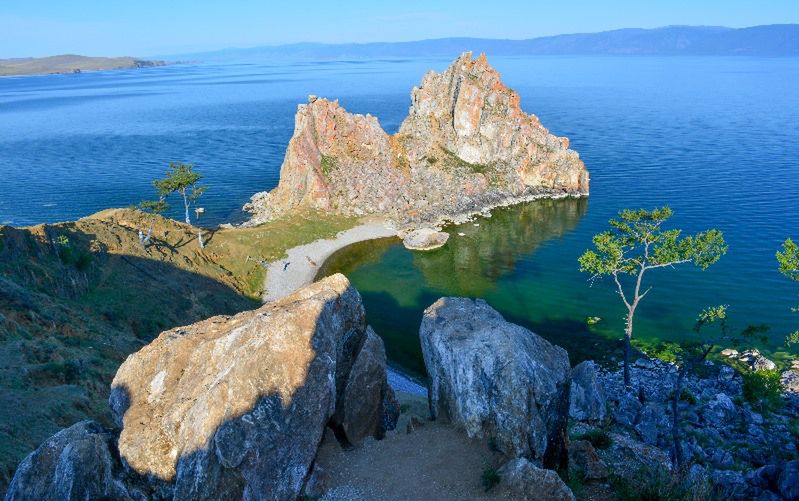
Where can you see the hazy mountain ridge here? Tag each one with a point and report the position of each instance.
(70, 63)
(769, 40)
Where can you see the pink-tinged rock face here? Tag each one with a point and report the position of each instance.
(465, 145)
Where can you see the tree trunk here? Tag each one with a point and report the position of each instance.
(186, 205)
(628, 335)
(675, 419)
(149, 232)
(200, 238)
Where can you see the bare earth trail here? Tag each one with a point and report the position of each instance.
(436, 461)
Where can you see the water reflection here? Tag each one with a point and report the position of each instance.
(397, 284)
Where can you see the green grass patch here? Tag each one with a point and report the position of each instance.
(328, 164)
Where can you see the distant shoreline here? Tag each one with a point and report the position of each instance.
(66, 64)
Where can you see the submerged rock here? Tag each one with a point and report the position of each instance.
(496, 379)
(465, 146)
(425, 239)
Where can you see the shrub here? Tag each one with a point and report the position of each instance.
(490, 478)
(599, 438)
(652, 484)
(763, 389)
(404, 408)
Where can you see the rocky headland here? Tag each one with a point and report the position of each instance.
(70, 63)
(465, 146)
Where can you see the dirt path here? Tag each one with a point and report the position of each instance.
(300, 267)
(434, 462)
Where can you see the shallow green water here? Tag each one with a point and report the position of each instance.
(523, 261)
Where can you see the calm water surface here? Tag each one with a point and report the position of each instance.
(717, 139)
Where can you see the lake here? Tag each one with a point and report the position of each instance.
(717, 139)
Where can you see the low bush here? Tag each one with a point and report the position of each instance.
(599, 438)
(490, 478)
(763, 389)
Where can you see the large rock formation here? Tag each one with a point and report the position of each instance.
(496, 379)
(228, 408)
(466, 145)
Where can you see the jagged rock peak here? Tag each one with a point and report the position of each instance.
(465, 146)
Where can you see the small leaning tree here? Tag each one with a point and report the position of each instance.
(637, 243)
(182, 179)
(788, 260)
(153, 207)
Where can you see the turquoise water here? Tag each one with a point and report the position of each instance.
(717, 139)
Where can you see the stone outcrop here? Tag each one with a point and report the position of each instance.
(496, 379)
(424, 239)
(521, 480)
(465, 146)
(75, 463)
(230, 407)
(588, 401)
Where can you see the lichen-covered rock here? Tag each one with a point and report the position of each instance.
(496, 379)
(75, 463)
(588, 401)
(465, 146)
(521, 480)
(235, 407)
(584, 457)
(425, 239)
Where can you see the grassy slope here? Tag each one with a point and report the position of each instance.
(70, 313)
(68, 64)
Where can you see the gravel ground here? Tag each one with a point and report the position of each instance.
(300, 267)
(434, 462)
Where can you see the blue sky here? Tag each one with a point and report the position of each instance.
(153, 27)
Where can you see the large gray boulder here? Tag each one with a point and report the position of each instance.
(75, 463)
(521, 480)
(588, 401)
(496, 379)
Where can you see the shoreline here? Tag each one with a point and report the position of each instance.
(299, 268)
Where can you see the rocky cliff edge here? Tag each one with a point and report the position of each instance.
(466, 145)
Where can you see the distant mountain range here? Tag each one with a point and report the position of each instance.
(770, 40)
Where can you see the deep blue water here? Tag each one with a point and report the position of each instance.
(717, 139)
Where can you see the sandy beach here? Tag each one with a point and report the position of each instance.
(300, 267)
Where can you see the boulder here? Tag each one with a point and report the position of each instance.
(720, 410)
(790, 380)
(583, 455)
(76, 463)
(788, 481)
(425, 239)
(587, 402)
(521, 480)
(756, 361)
(361, 406)
(496, 379)
(235, 407)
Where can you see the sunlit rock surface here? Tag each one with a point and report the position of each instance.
(466, 145)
